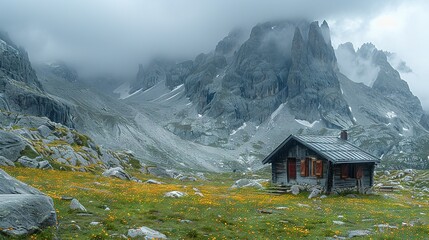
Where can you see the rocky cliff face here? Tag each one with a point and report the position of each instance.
(20, 89)
(285, 78)
(281, 61)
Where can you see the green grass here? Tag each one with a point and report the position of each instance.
(29, 152)
(222, 213)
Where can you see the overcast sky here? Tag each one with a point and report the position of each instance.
(107, 35)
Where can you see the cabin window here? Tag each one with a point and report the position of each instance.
(351, 171)
(311, 167)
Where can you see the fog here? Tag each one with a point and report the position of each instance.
(102, 36)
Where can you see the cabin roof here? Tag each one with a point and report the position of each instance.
(332, 148)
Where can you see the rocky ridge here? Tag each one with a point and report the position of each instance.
(287, 78)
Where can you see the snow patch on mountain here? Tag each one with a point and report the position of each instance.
(238, 129)
(306, 123)
(124, 91)
(391, 114)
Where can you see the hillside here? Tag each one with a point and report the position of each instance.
(114, 206)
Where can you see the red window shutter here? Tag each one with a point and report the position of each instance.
(344, 171)
(303, 168)
(319, 168)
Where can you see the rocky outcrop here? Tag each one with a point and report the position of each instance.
(117, 172)
(21, 90)
(229, 44)
(40, 143)
(313, 87)
(24, 209)
(14, 63)
(10, 145)
(371, 67)
(64, 71)
(147, 78)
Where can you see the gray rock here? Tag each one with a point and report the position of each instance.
(358, 233)
(185, 221)
(201, 176)
(23, 209)
(407, 179)
(151, 181)
(45, 165)
(295, 189)
(323, 196)
(383, 227)
(409, 171)
(28, 162)
(23, 214)
(158, 172)
(244, 183)
(10, 185)
(44, 131)
(175, 194)
(117, 172)
(187, 178)
(145, 233)
(314, 193)
(6, 162)
(136, 179)
(75, 205)
(108, 158)
(338, 222)
(11, 145)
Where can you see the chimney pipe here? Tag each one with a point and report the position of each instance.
(343, 135)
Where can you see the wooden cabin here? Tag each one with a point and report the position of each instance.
(330, 162)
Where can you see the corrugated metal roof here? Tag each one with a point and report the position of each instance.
(332, 148)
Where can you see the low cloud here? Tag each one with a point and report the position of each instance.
(109, 35)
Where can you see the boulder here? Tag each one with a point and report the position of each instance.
(294, 189)
(358, 233)
(44, 131)
(314, 193)
(145, 233)
(175, 194)
(151, 181)
(407, 179)
(11, 145)
(24, 214)
(23, 209)
(10, 185)
(45, 165)
(6, 162)
(244, 183)
(75, 205)
(187, 178)
(117, 172)
(158, 172)
(28, 162)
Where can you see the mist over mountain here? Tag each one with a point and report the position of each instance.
(230, 106)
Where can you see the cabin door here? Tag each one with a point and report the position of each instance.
(291, 169)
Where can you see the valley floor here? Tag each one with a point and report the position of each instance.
(222, 213)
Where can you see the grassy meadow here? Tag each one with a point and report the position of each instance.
(222, 213)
